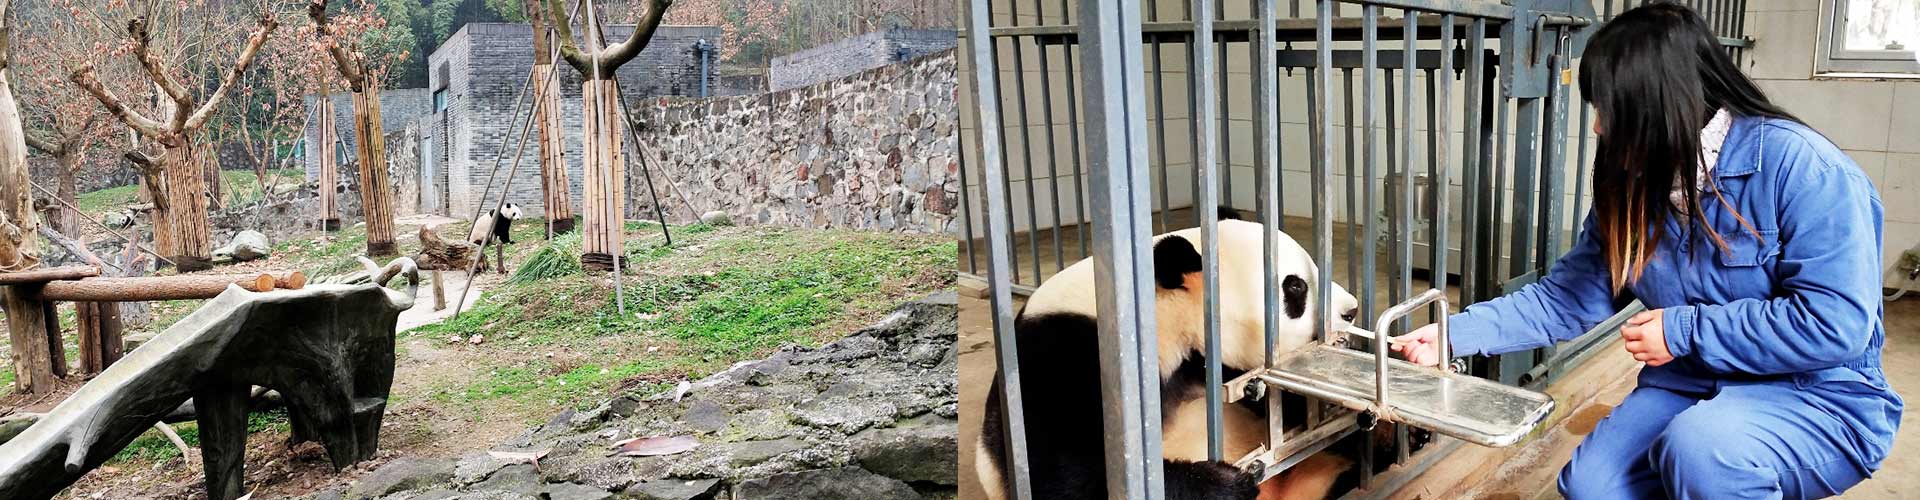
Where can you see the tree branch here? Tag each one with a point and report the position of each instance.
(145, 126)
(137, 28)
(563, 33)
(240, 66)
(620, 53)
(44, 145)
(356, 79)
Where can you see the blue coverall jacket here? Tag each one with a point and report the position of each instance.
(1775, 389)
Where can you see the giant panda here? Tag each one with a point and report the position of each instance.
(495, 225)
(1057, 342)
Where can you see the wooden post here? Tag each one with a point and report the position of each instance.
(439, 291)
(329, 167)
(604, 173)
(19, 247)
(376, 195)
(181, 231)
(100, 335)
(553, 146)
(199, 286)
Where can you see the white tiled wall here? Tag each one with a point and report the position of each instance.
(1877, 121)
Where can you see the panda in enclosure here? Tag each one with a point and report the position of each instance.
(495, 226)
(1060, 369)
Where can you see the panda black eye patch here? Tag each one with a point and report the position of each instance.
(1173, 258)
(1294, 295)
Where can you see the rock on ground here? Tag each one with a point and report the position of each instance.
(246, 245)
(870, 416)
(716, 218)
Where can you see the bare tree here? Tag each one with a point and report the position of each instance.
(362, 75)
(604, 167)
(177, 179)
(33, 359)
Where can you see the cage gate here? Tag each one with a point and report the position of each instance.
(1479, 89)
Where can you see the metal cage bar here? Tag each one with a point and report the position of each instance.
(986, 98)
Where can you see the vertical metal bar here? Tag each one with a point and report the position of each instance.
(1266, 130)
(1441, 175)
(1317, 195)
(1026, 149)
(1479, 151)
(1501, 104)
(1409, 35)
(1006, 191)
(1226, 125)
(1323, 166)
(1354, 219)
(1370, 65)
(1435, 190)
(1053, 150)
(1555, 162)
(1160, 134)
(967, 211)
(999, 257)
(1393, 207)
(1123, 262)
(1206, 197)
(1073, 138)
(1407, 214)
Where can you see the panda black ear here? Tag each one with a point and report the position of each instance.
(1173, 258)
(1224, 212)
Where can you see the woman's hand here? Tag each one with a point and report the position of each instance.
(1422, 347)
(1647, 337)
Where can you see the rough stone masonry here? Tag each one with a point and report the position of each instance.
(876, 150)
(871, 416)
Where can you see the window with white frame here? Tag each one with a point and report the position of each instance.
(1869, 36)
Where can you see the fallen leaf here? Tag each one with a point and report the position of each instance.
(654, 446)
(476, 339)
(681, 390)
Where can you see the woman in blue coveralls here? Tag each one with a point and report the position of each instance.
(1754, 244)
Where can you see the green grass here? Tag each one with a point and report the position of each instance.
(238, 186)
(155, 447)
(716, 297)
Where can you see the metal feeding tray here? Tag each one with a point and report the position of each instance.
(1469, 408)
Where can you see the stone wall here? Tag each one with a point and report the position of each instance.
(855, 54)
(398, 108)
(876, 151)
(403, 168)
(482, 69)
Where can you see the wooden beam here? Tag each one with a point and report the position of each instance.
(155, 288)
(48, 274)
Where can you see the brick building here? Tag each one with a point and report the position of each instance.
(466, 113)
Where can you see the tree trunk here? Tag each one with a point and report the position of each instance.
(66, 220)
(180, 229)
(553, 147)
(329, 169)
(603, 173)
(19, 248)
(376, 195)
(210, 161)
(99, 330)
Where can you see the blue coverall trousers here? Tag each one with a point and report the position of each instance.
(1758, 440)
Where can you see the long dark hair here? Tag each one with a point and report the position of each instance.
(1656, 75)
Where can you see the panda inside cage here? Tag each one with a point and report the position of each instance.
(1119, 183)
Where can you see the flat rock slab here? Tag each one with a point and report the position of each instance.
(402, 474)
(870, 416)
(847, 483)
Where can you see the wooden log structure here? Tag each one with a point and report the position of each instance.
(329, 169)
(48, 274)
(604, 170)
(164, 287)
(26, 315)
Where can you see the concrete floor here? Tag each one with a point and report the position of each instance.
(1898, 477)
